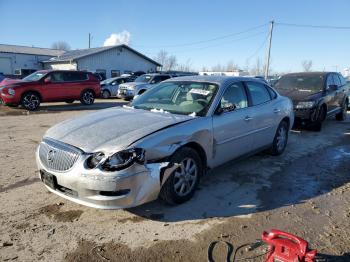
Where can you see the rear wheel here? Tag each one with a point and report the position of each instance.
(342, 115)
(106, 94)
(87, 97)
(281, 138)
(182, 183)
(30, 101)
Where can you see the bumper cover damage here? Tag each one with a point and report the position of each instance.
(131, 187)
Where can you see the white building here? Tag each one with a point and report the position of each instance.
(110, 60)
(23, 60)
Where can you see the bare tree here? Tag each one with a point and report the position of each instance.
(231, 66)
(162, 58)
(306, 64)
(60, 45)
(171, 63)
(187, 67)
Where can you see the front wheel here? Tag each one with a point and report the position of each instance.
(106, 94)
(31, 101)
(87, 97)
(280, 140)
(182, 183)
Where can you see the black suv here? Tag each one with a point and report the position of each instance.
(315, 96)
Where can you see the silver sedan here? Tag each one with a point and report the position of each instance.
(163, 142)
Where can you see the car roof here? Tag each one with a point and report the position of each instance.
(221, 80)
(310, 73)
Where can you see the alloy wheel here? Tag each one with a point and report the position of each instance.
(185, 177)
(88, 97)
(281, 138)
(31, 101)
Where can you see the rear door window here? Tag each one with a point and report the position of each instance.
(258, 92)
(336, 80)
(57, 77)
(75, 76)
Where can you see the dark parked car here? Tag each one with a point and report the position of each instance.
(52, 86)
(315, 96)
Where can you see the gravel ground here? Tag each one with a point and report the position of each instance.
(306, 191)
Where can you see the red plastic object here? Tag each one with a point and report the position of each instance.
(285, 247)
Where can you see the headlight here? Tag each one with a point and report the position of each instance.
(94, 160)
(117, 161)
(306, 104)
(11, 91)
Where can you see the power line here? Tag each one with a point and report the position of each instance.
(207, 40)
(314, 26)
(259, 48)
(206, 47)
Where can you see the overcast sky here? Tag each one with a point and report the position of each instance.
(183, 28)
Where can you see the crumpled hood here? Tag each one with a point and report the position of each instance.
(299, 95)
(112, 129)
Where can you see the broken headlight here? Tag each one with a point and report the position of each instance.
(124, 159)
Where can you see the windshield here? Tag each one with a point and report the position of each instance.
(143, 78)
(178, 97)
(35, 76)
(301, 82)
(107, 81)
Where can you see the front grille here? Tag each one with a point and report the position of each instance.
(57, 156)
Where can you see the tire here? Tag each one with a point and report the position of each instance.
(30, 101)
(280, 140)
(176, 192)
(342, 115)
(87, 97)
(317, 124)
(71, 101)
(106, 94)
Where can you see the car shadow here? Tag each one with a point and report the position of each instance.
(239, 188)
(333, 258)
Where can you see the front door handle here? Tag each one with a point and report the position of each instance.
(276, 110)
(248, 118)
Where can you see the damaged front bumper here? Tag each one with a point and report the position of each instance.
(95, 188)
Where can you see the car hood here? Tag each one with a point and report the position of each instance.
(133, 85)
(112, 129)
(300, 94)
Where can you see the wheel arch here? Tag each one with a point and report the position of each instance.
(32, 91)
(199, 149)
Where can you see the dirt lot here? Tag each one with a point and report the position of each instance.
(306, 191)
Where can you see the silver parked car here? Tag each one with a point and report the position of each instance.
(162, 144)
(110, 86)
(140, 85)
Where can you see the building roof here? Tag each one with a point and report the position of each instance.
(80, 53)
(29, 50)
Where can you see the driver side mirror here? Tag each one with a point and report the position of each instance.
(226, 108)
(47, 80)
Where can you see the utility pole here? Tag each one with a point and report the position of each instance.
(269, 51)
(89, 40)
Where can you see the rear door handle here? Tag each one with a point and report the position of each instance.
(277, 110)
(248, 118)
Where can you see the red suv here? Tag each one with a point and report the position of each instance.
(52, 86)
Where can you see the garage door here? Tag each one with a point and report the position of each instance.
(5, 65)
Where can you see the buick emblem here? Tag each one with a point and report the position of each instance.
(50, 155)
